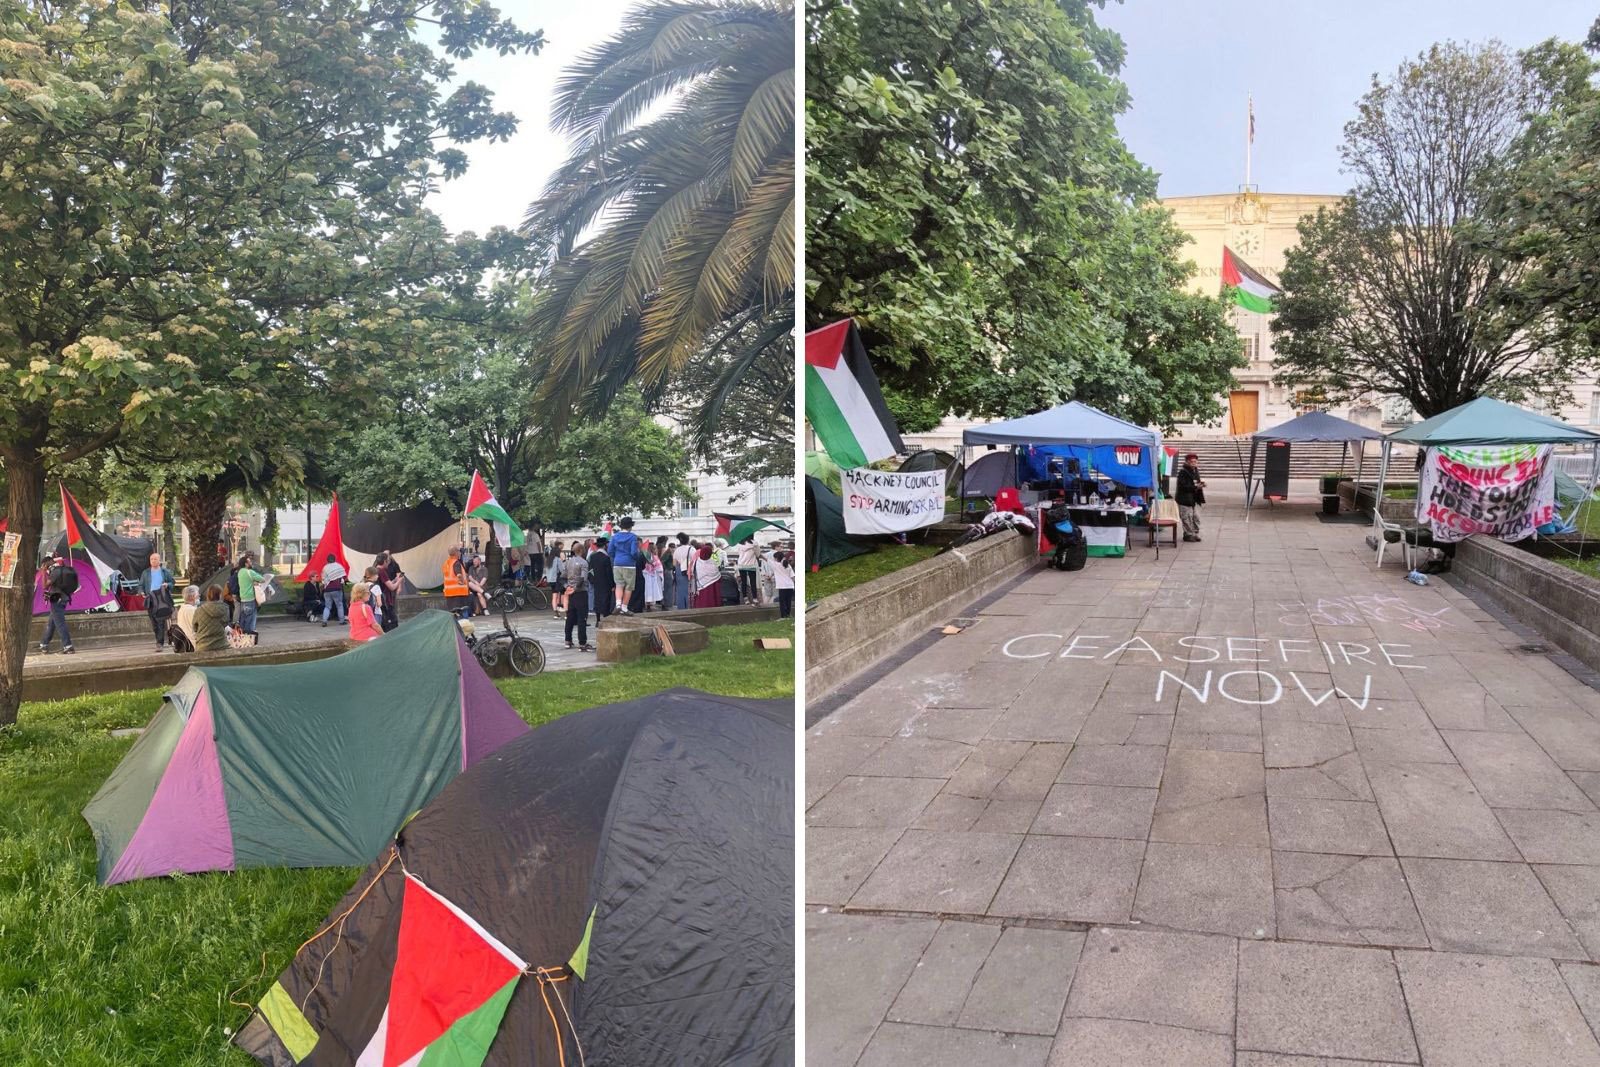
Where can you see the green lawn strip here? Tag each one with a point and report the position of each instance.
(857, 569)
(143, 972)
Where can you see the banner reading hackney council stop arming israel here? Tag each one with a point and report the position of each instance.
(1499, 491)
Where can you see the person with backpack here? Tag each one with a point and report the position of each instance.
(156, 584)
(60, 582)
(624, 553)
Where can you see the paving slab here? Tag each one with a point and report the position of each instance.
(914, 757)
(942, 979)
(1308, 824)
(877, 954)
(1512, 771)
(1476, 906)
(1359, 900)
(1480, 1011)
(874, 802)
(1096, 811)
(1124, 765)
(1115, 1043)
(1079, 879)
(1553, 836)
(1569, 734)
(1322, 1000)
(1022, 986)
(1433, 809)
(838, 860)
(1406, 745)
(939, 872)
(1157, 976)
(1576, 893)
(1208, 888)
(897, 1044)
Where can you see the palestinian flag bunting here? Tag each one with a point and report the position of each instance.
(843, 402)
(77, 523)
(448, 993)
(481, 504)
(740, 528)
(1244, 286)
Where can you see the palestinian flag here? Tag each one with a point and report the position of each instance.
(451, 982)
(740, 528)
(481, 504)
(332, 541)
(1244, 286)
(81, 535)
(843, 402)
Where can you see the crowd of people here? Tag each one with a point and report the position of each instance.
(617, 573)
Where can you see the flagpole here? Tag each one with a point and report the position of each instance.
(1249, 123)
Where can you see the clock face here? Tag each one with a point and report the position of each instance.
(1246, 242)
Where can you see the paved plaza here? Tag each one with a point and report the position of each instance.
(1258, 803)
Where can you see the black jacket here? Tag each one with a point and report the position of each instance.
(1189, 492)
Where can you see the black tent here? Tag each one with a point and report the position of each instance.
(638, 857)
(990, 473)
(129, 555)
(826, 541)
(1312, 426)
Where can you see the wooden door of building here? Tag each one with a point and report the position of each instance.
(1243, 411)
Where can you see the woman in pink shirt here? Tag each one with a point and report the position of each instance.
(363, 623)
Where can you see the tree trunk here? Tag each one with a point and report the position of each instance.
(169, 530)
(204, 507)
(24, 517)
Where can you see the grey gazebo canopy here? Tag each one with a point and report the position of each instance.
(1317, 426)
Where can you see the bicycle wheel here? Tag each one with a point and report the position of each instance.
(527, 656)
(488, 652)
(538, 599)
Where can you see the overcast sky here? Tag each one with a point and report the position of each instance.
(504, 177)
(1191, 64)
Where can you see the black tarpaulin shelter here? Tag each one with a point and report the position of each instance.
(129, 555)
(826, 541)
(639, 857)
(1312, 426)
(419, 536)
(991, 472)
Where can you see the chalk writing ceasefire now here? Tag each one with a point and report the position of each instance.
(1197, 649)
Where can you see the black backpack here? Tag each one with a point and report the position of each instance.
(233, 583)
(64, 579)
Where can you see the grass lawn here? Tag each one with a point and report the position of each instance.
(163, 970)
(863, 568)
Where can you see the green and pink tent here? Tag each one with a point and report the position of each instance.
(300, 764)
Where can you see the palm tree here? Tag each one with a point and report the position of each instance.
(671, 226)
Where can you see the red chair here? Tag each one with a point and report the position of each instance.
(1008, 499)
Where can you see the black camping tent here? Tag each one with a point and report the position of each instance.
(130, 555)
(638, 857)
(826, 541)
(935, 459)
(990, 473)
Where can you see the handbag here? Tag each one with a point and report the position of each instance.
(160, 603)
(263, 590)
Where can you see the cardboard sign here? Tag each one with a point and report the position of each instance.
(880, 502)
(1504, 491)
(10, 548)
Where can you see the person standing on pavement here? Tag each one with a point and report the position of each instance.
(333, 576)
(1191, 494)
(602, 581)
(389, 577)
(575, 580)
(156, 584)
(249, 578)
(457, 594)
(624, 552)
(682, 564)
(60, 581)
(782, 575)
(663, 554)
(749, 559)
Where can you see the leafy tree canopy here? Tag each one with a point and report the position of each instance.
(1425, 283)
(971, 205)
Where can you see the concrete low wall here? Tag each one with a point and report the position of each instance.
(850, 631)
(1560, 603)
(61, 677)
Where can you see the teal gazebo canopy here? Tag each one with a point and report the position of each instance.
(1486, 421)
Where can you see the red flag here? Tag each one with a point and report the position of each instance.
(332, 541)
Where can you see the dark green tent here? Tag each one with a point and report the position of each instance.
(299, 764)
(826, 541)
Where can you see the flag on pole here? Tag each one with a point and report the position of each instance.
(740, 528)
(481, 504)
(1252, 109)
(1245, 287)
(84, 538)
(843, 402)
(332, 540)
(448, 992)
